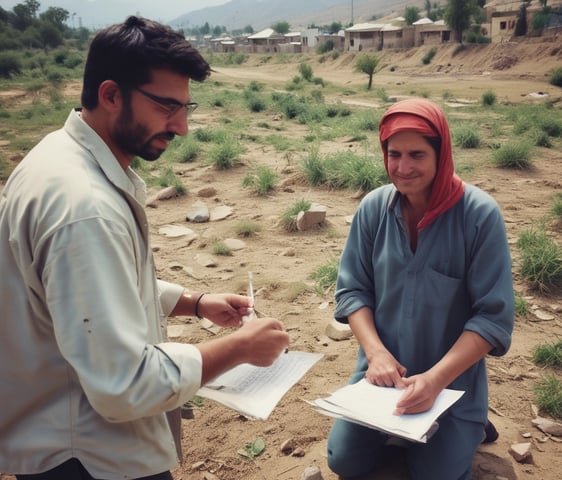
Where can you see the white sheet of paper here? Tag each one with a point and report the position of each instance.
(373, 406)
(255, 391)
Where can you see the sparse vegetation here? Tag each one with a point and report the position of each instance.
(247, 228)
(548, 394)
(548, 355)
(261, 180)
(289, 216)
(325, 276)
(428, 57)
(513, 155)
(541, 260)
(219, 248)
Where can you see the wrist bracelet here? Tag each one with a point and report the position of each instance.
(197, 306)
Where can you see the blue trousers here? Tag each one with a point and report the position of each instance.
(355, 451)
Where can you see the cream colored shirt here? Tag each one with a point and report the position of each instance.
(85, 370)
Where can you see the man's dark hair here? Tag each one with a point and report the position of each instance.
(128, 52)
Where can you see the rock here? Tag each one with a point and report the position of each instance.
(206, 192)
(220, 213)
(521, 452)
(167, 193)
(542, 315)
(199, 213)
(311, 218)
(205, 260)
(548, 426)
(178, 331)
(234, 243)
(312, 473)
(338, 331)
(288, 446)
(298, 452)
(174, 231)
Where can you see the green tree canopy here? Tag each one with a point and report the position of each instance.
(411, 15)
(282, 27)
(367, 64)
(458, 14)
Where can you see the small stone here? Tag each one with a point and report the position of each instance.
(548, 426)
(338, 331)
(220, 213)
(312, 473)
(288, 446)
(205, 260)
(178, 331)
(298, 452)
(234, 243)
(206, 192)
(521, 452)
(543, 316)
(167, 193)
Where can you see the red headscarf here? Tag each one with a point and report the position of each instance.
(426, 118)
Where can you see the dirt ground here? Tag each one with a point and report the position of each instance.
(282, 262)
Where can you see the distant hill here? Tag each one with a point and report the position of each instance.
(261, 14)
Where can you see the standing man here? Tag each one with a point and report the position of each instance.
(90, 386)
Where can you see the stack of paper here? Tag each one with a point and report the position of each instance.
(373, 407)
(255, 391)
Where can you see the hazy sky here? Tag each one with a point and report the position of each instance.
(108, 11)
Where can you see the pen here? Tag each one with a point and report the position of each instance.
(252, 315)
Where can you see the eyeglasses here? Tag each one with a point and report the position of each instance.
(171, 105)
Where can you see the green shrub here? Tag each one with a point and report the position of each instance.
(169, 179)
(262, 180)
(188, 151)
(555, 77)
(521, 306)
(557, 206)
(488, 98)
(325, 276)
(548, 355)
(10, 64)
(429, 56)
(513, 155)
(306, 71)
(247, 228)
(548, 395)
(541, 260)
(256, 103)
(289, 216)
(224, 155)
(313, 168)
(219, 248)
(466, 136)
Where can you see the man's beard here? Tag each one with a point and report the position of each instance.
(130, 136)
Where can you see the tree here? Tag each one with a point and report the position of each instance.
(367, 64)
(57, 16)
(457, 15)
(334, 27)
(281, 27)
(411, 15)
(521, 25)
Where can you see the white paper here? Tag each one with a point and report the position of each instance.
(255, 391)
(373, 406)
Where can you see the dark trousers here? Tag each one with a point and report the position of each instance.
(73, 470)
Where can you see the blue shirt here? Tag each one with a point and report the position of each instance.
(459, 278)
